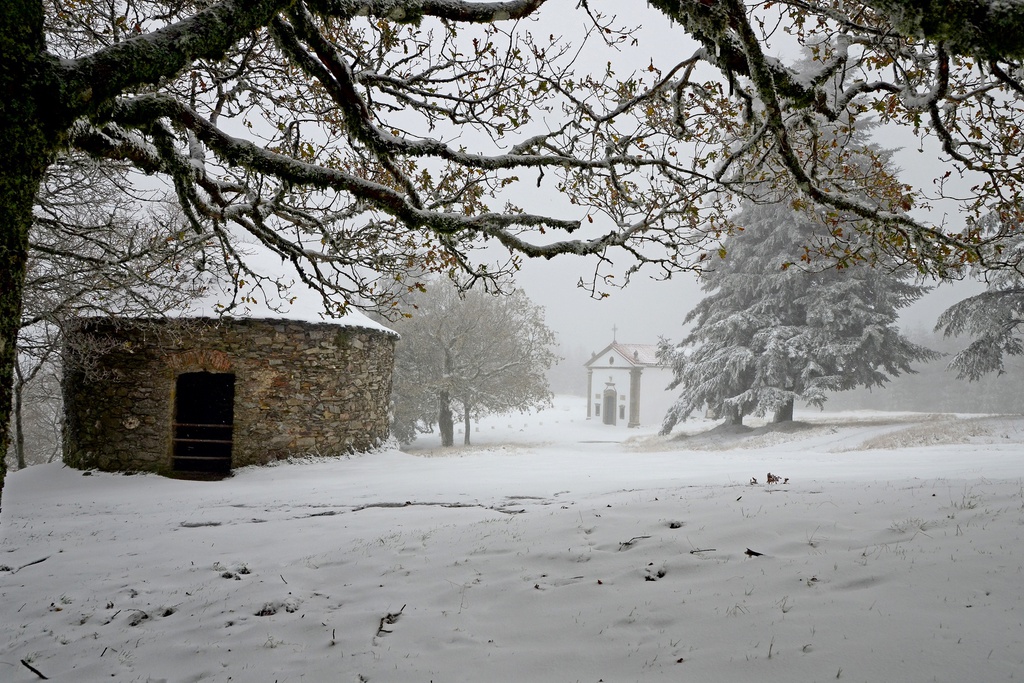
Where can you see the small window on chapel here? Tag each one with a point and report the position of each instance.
(611, 360)
(622, 412)
(597, 409)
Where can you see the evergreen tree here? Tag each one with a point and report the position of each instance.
(995, 318)
(770, 333)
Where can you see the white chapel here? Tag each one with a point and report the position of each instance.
(626, 385)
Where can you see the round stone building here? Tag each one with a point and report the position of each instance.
(206, 395)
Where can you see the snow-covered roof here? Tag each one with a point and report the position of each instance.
(352, 318)
(637, 355)
(307, 311)
(642, 354)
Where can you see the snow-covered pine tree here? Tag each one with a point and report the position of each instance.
(770, 333)
(995, 318)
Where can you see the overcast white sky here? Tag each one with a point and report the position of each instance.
(642, 311)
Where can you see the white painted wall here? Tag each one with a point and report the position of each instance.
(654, 399)
(619, 377)
(612, 368)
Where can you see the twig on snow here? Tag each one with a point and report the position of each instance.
(389, 619)
(410, 503)
(29, 564)
(630, 542)
(28, 666)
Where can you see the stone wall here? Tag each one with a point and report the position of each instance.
(300, 388)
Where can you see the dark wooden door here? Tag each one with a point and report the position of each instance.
(609, 406)
(203, 422)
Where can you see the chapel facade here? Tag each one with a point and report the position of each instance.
(626, 385)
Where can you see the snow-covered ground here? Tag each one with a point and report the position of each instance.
(553, 549)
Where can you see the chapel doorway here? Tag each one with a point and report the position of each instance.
(203, 422)
(608, 411)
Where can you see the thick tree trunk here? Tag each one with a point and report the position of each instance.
(17, 192)
(784, 413)
(732, 415)
(25, 152)
(465, 421)
(445, 424)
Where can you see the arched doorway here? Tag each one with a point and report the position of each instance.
(609, 406)
(203, 422)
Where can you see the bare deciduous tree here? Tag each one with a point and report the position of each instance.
(97, 248)
(474, 352)
(361, 139)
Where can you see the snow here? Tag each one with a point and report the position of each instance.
(553, 549)
(303, 311)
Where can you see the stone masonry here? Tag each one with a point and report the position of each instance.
(300, 388)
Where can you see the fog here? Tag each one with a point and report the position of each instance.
(643, 311)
